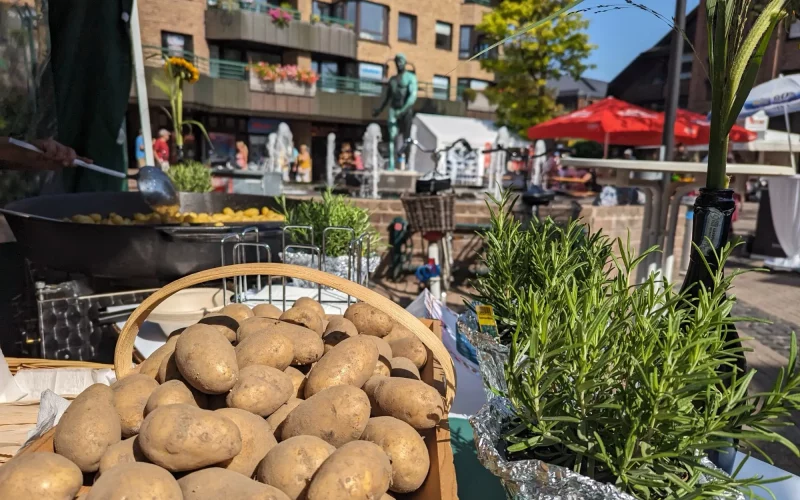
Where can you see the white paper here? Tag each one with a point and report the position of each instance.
(51, 408)
(9, 390)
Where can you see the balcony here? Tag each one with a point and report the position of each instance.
(485, 3)
(229, 86)
(255, 22)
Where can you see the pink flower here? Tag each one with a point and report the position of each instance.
(287, 16)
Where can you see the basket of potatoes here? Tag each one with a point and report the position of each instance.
(259, 404)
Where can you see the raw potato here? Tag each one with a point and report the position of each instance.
(267, 311)
(412, 401)
(135, 481)
(126, 451)
(267, 349)
(40, 476)
(206, 359)
(369, 389)
(257, 440)
(351, 362)
(150, 365)
(130, 397)
(304, 316)
(276, 419)
(215, 483)
(298, 381)
(338, 415)
(411, 348)
(290, 465)
(260, 390)
(254, 325)
(182, 437)
(369, 320)
(223, 323)
(311, 304)
(175, 392)
(405, 448)
(239, 312)
(168, 369)
(404, 368)
(398, 332)
(338, 329)
(308, 346)
(356, 470)
(88, 427)
(384, 364)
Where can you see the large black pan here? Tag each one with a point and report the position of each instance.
(163, 252)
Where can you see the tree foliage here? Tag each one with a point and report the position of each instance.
(549, 51)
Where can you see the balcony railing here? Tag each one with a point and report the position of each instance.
(261, 7)
(487, 3)
(236, 70)
(335, 20)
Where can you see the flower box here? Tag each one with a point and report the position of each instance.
(284, 87)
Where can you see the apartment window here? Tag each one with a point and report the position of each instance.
(471, 83)
(328, 72)
(321, 9)
(370, 77)
(465, 42)
(441, 87)
(407, 28)
(176, 44)
(444, 36)
(370, 19)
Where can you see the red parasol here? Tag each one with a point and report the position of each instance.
(612, 121)
(738, 134)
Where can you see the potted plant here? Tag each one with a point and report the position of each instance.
(191, 177)
(342, 248)
(281, 17)
(283, 79)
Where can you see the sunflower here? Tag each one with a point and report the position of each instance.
(180, 67)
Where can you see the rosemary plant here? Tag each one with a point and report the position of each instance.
(190, 177)
(633, 385)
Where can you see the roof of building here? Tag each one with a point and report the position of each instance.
(589, 87)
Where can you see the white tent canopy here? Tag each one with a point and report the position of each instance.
(768, 141)
(437, 131)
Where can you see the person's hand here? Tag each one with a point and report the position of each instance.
(57, 152)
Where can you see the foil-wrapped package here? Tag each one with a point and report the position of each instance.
(491, 355)
(343, 266)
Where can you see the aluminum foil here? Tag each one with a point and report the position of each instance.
(337, 266)
(491, 355)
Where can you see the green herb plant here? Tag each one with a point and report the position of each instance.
(190, 177)
(633, 385)
(332, 211)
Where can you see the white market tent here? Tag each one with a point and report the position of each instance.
(768, 141)
(437, 131)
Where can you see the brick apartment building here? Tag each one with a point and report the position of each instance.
(349, 43)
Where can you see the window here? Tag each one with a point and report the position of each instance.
(321, 9)
(471, 83)
(369, 19)
(444, 36)
(328, 72)
(465, 42)
(176, 44)
(373, 74)
(407, 28)
(441, 87)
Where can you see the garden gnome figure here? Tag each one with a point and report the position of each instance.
(401, 94)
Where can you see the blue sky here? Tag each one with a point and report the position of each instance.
(621, 35)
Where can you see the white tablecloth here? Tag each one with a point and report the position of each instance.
(784, 198)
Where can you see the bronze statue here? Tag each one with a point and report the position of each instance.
(401, 91)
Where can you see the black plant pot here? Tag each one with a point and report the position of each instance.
(713, 218)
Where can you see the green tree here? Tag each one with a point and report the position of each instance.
(552, 50)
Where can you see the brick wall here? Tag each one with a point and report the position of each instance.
(185, 17)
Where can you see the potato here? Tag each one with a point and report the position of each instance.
(338, 329)
(88, 427)
(260, 390)
(257, 440)
(169, 369)
(369, 320)
(359, 469)
(217, 401)
(183, 437)
(311, 304)
(404, 368)
(130, 397)
(351, 362)
(412, 401)
(369, 389)
(255, 324)
(262, 348)
(277, 418)
(135, 481)
(307, 345)
(175, 392)
(338, 415)
(206, 359)
(398, 332)
(405, 448)
(150, 365)
(239, 312)
(384, 364)
(40, 476)
(411, 348)
(125, 452)
(267, 311)
(304, 316)
(224, 324)
(298, 381)
(291, 464)
(215, 483)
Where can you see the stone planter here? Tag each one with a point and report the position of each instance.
(282, 87)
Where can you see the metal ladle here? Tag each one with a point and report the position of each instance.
(155, 186)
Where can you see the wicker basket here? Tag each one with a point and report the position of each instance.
(431, 213)
(439, 372)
